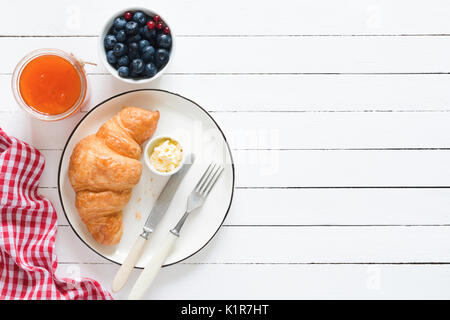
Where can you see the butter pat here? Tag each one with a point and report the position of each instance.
(166, 156)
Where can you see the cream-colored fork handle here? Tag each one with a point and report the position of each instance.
(130, 261)
(151, 269)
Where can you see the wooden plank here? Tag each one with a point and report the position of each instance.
(235, 17)
(326, 206)
(339, 168)
(339, 207)
(334, 130)
(305, 93)
(291, 245)
(289, 55)
(281, 130)
(184, 281)
(37, 133)
(318, 169)
(50, 173)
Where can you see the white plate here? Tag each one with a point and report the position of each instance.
(199, 134)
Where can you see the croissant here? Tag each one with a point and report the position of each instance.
(104, 167)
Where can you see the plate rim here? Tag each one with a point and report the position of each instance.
(118, 95)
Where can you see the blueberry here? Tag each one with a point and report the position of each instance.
(123, 71)
(133, 46)
(149, 35)
(137, 66)
(164, 41)
(135, 38)
(121, 36)
(161, 57)
(148, 53)
(143, 44)
(133, 55)
(131, 28)
(109, 41)
(140, 18)
(142, 30)
(150, 70)
(112, 59)
(119, 23)
(120, 49)
(113, 31)
(123, 61)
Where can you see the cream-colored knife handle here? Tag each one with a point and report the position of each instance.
(151, 269)
(127, 266)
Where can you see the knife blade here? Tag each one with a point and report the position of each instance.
(160, 207)
(165, 197)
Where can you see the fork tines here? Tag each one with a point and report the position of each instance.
(208, 179)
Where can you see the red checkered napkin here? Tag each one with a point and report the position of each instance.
(27, 232)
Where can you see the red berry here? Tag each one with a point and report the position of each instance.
(159, 26)
(128, 16)
(156, 18)
(166, 30)
(150, 25)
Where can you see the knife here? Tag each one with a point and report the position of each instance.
(158, 210)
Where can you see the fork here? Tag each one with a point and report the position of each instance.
(195, 200)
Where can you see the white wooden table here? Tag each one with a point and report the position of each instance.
(338, 114)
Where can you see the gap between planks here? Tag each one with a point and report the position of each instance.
(12, 111)
(316, 225)
(280, 73)
(326, 187)
(277, 263)
(241, 35)
(316, 149)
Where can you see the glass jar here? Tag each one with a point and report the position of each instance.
(78, 68)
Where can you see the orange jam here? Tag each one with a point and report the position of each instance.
(50, 84)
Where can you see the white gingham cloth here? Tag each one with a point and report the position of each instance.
(28, 224)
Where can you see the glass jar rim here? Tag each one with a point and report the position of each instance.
(43, 52)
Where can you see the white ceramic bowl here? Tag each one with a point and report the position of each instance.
(102, 51)
(149, 149)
